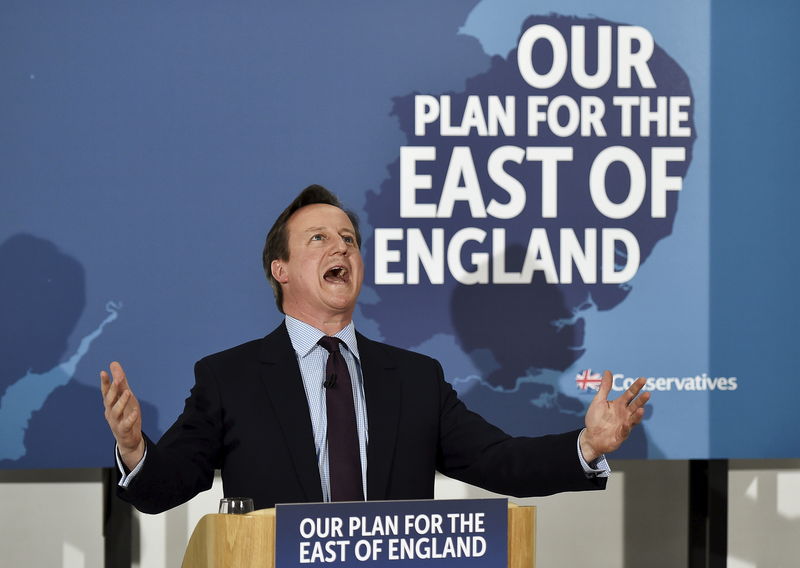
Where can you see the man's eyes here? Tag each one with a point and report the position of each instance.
(349, 239)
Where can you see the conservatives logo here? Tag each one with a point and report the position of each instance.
(702, 382)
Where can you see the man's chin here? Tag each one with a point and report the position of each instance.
(341, 303)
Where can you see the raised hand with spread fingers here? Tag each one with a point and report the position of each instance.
(609, 422)
(123, 414)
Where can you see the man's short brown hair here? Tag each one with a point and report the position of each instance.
(276, 246)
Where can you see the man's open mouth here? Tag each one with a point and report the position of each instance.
(337, 274)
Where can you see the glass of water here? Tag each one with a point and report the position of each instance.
(235, 505)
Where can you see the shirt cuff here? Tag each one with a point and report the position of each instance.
(125, 476)
(598, 467)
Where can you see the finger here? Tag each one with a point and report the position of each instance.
(638, 402)
(130, 419)
(636, 417)
(105, 383)
(114, 411)
(118, 410)
(633, 390)
(119, 374)
(112, 394)
(605, 387)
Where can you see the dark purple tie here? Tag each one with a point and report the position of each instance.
(344, 458)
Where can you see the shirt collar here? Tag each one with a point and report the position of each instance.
(304, 337)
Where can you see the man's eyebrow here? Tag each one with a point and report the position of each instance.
(323, 229)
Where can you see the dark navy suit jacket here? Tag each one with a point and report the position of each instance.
(247, 415)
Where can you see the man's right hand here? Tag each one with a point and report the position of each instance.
(123, 415)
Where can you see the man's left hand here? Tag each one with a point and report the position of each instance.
(608, 423)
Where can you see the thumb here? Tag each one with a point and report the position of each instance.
(605, 387)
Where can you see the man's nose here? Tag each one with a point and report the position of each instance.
(340, 246)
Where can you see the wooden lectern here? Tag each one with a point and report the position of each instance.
(241, 541)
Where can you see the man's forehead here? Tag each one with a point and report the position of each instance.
(318, 216)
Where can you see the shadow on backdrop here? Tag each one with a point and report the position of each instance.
(540, 332)
(49, 419)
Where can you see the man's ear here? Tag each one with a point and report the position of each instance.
(279, 273)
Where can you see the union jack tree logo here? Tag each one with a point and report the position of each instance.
(588, 380)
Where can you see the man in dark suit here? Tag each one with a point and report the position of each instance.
(258, 411)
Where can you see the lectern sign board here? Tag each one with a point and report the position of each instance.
(399, 534)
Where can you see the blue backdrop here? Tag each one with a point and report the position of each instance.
(145, 150)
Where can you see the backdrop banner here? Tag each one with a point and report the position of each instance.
(532, 179)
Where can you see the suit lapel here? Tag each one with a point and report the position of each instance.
(382, 391)
(284, 385)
